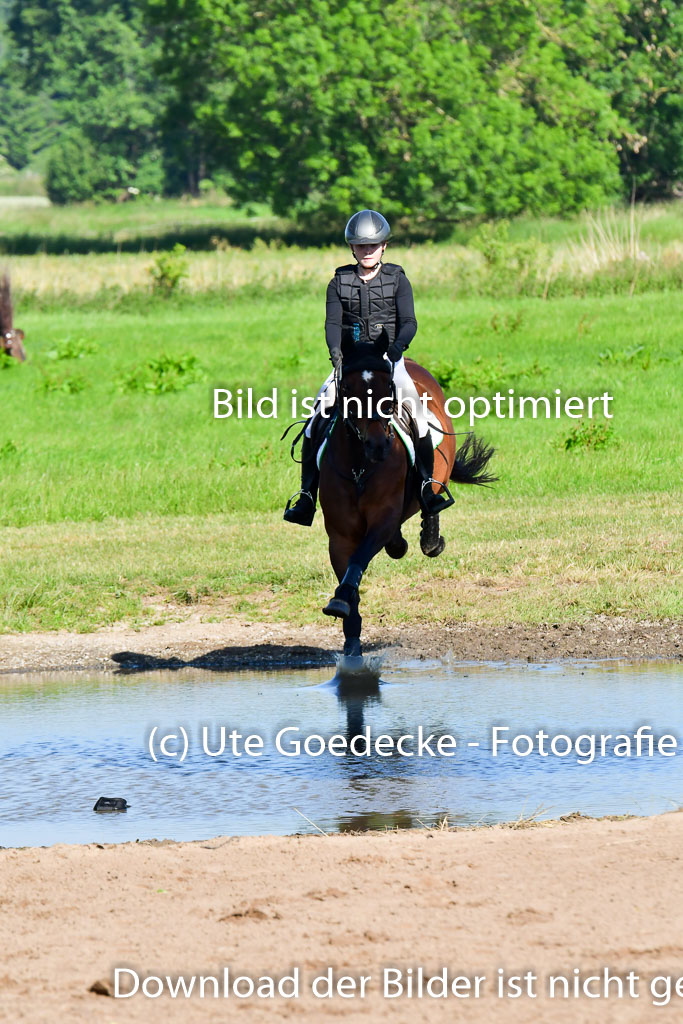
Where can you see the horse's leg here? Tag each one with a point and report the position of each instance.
(341, 551)
(352, 627)
(431, 541)
(397, 546)
(347, 591)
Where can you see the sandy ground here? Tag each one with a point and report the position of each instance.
(237, 643)
(578, 894)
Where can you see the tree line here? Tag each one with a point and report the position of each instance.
(429, 109)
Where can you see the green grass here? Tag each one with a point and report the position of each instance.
(550, 559)
(126, 502)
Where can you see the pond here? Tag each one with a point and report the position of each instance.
(66, 740)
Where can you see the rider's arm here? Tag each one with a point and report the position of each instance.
(405, 319)
(333, 322)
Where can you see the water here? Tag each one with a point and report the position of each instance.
(66, 740)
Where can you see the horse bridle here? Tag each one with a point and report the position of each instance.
(350, 422)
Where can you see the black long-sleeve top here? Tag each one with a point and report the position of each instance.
(406, 324)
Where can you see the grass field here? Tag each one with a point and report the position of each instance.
(124, 499)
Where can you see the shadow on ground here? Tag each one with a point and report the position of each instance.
(253, 656)
(237, 659)
(195, 237)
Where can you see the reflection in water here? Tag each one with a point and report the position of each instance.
(68, 740)
(357, 681)
(377, 822)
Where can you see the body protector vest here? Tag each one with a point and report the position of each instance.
(368, 308)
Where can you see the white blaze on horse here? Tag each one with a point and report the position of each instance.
(11, 338)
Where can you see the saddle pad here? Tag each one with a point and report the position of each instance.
(398, 427)
(408, 425)
(404, 431)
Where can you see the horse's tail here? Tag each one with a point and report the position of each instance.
(471, 460)
(5, 303)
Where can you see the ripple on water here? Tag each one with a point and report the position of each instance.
(67, 740)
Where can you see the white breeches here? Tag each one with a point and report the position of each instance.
(406, 393)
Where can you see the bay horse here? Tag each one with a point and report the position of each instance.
(11, 339)
(367, 484)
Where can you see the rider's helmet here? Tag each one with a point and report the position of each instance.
(366, 227)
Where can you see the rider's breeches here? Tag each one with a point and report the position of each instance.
(406, 393)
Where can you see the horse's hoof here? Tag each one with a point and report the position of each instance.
(352, 648)
(436, 551)
(396, 548)
(340, 609)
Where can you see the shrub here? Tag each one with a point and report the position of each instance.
(589, 435)
(162, 375)
(72, 348)
(71, 175)
(63, 385)
(168, 270)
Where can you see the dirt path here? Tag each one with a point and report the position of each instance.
(581, 894)
(237, 643)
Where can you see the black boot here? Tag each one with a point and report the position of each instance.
(303, 510)
(430, 503)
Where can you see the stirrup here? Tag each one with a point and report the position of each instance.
(300, 515)
(431, 503)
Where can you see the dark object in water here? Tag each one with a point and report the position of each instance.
(110, 803)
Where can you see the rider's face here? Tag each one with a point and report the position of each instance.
(369, 255)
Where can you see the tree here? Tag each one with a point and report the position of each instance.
(647, 86)
(86, 67)
(436, 109)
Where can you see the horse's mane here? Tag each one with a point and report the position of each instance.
(365, 356)
(5, 304)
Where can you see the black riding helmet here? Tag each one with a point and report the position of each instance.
(366, 227)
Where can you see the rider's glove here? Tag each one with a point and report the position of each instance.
(336, 359)
(394, 352)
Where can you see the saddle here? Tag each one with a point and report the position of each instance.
(405, 426)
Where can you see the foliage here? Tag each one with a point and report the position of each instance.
(168, 270)
(484, 375)
(456, 108)
(71, 174)
(65, 385)
(639, 356)
(82, 69)
(163, 375)
(468, 110)
(72, 348)
(7, 362)
(591, 436)
(8, 448)
(645, 79)
(508, 263)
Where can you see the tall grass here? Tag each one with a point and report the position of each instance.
(599, 264)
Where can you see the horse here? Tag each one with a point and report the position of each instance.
(11, 339)
(367, 483)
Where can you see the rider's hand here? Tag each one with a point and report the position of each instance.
(336, 360)
(394, 352)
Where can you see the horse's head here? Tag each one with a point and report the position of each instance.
(12, 344)
(11, 339)
(367, 400)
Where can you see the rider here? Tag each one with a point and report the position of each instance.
(370, 301)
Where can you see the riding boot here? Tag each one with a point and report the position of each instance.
(303, 510)
(430, 503)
